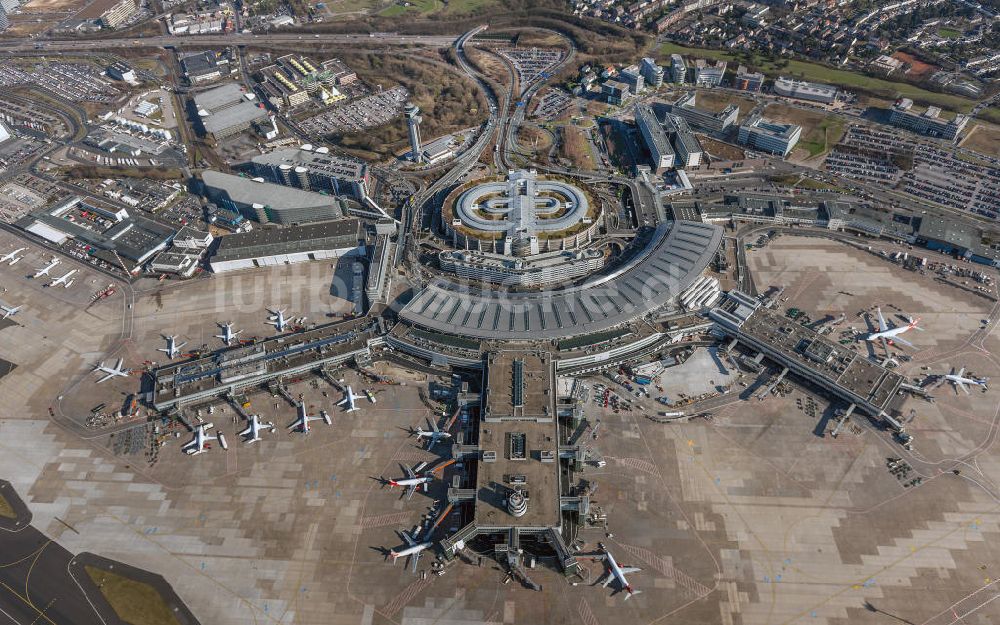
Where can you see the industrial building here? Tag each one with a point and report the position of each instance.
(704, 119)
(108, 13)
(547, 268)
(121, 71)
(204, 67)
(767, 136)
(928, 123)
(314, 169)
(802, 90)
(655, 138)
(227, 110)
(123, 240)
(265, 247)
(706, 75)
(267, 202)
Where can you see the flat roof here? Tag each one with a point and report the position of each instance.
(269, 241)
(645, 116)
(249, 191)
(322, 162)
(242, 113)
(519, 391)
(219, 97)
(674, 257)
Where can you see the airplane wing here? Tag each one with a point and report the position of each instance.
(961, 372)
(414, 559)
(409, 541)
(409, 472)
(629, 569)
(434, 425)
(961, 385)
(121, 361)
(897, 339)
(246, 431)
(882, 326)
(189, 445)
(106, 378)
(609, 577)
(409, 492)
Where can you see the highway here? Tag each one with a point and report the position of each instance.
(200, 41)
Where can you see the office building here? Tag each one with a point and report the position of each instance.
(802, 90)
(686, 145)
(268, 202)
(678, 69)
(767, 136)
(706, 75)
(928, 123)
(748, 81)
(651, 72)
(266, 247)
(413, 119)
(615, 91)
(704, 119)
(108, 13)
(655, 138)
(632, 76)
(314, 169)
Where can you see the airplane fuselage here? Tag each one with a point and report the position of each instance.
(409, 551)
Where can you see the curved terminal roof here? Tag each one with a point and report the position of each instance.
(674, 258)
(517, 205)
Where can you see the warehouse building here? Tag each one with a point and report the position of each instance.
(267, 202)
(266, 247)
(314, 169)
(204, 67)
(227, 110)
(767, 136)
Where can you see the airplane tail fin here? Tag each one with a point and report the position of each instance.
(913, 324)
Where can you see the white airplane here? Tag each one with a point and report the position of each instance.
(959, 381)
(412, 550)
(617, 573)
(891, 335)
(44, 271)
(15, 261)
(227, 335)
(301, 423)
(277, 319)
(173, 347)
(348, 401)
(64, 280)
(12, 256)
(9, 311)
(253, 429)
(433, 435)
(412, 481)
(197, 444)
(112, 372)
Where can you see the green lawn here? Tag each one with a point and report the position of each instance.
(824, 136)
(949, 33)
(821, 73)
(451, 7)
(136, 603)
(416, 6)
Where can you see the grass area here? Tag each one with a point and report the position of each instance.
(888, 89)
(576, 148)
(427, 7)
(6, 510)
(991, 114)
(984, 139)
(136, 603)
(411, 6)
(949, 33)
(820, 132)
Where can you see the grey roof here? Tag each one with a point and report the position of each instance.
(676, 255)
(645, 118)
(248, 191)
(200, 63)
(342, 167)
(220, 97)
(295, 239)
(240, 114)
(682, 133)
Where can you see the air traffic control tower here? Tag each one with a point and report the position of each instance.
(413, 120)
(520, 465)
